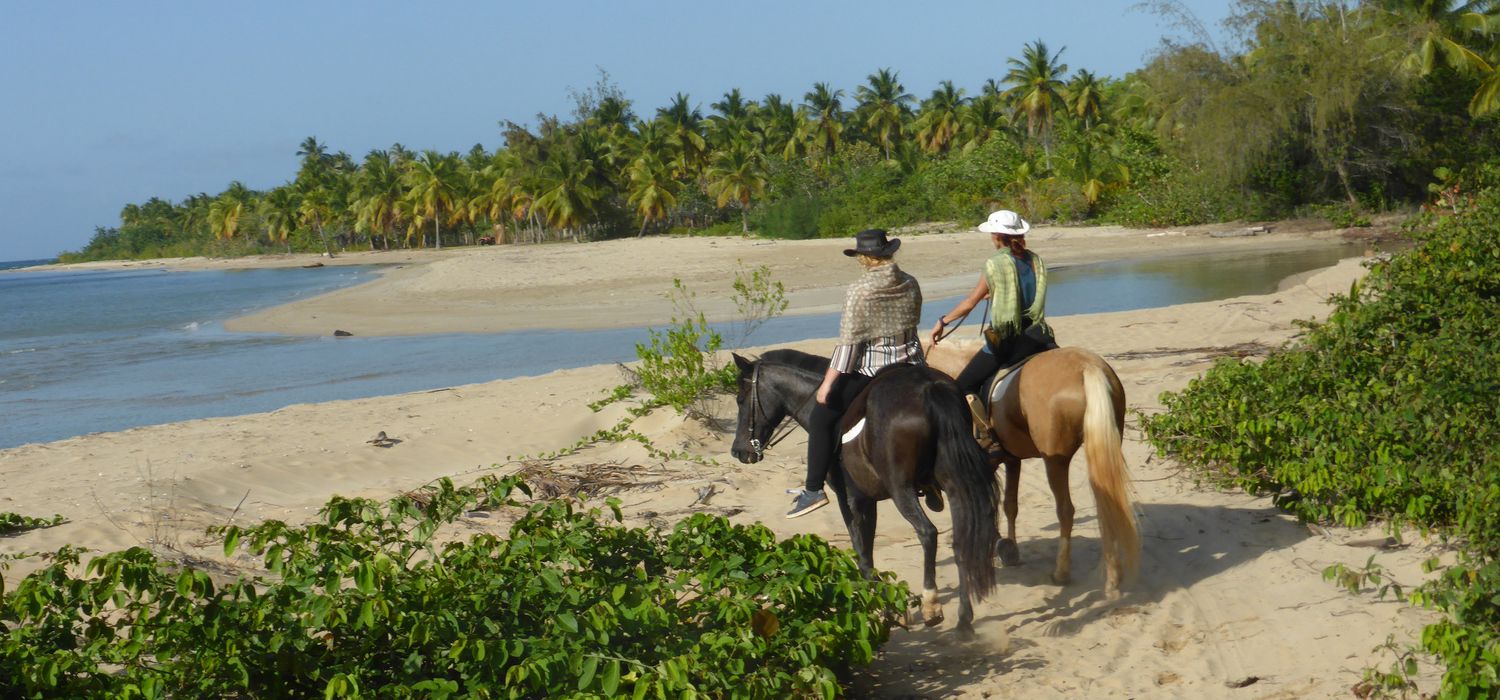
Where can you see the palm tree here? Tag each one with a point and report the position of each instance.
(652, 191)
(433, 186)
(567, 198)
(1084, 98)
(737, 174)
(733, 118)
(883, 107)
(1093, 170)
(777, 121)
(984, 118)
(1036, 89)
(941, 118)
(685, 123)
(826, 121)
(225, 211)
(315, 211)
(377, 190)
(279, 211)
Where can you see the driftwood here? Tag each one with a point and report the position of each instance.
(1250, 349)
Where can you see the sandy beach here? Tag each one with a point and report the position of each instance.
(1229, 602)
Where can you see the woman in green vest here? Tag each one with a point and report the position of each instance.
(1015, 281)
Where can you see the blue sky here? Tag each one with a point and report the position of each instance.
(102, 104)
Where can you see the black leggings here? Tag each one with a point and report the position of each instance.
(982, 367)
(822, 427)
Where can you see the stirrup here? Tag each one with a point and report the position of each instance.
(982, 432)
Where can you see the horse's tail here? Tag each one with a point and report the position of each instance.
(1107, 473)
(969, 481)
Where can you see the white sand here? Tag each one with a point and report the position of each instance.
(1229, 589)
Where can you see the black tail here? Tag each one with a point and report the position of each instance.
(965, 475)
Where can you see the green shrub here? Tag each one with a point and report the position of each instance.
(678, 365)
(791, 218)
(12, 523)
(365, 602)
(1386, 410)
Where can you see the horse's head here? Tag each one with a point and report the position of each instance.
(760, 411)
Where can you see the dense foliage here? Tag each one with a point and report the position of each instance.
(366, 602)
(1386, 410)
(1316, 102)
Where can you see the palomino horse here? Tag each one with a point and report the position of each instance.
(915, 435)
(1063, 399)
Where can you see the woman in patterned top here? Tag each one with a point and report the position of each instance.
(878, 329)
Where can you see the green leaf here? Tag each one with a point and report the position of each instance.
(586, 675)
(611, 681)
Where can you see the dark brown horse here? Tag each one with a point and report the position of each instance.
(915, 436)
(1062, 401)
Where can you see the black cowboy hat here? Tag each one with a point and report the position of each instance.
(873, 242)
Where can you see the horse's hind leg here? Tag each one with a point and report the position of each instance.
(932, 611)
(1057, 478)
(859, 518)
(1010, 553)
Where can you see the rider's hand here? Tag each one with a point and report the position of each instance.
(823, 393)
(937, 331)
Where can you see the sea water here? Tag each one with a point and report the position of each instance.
(94, 351)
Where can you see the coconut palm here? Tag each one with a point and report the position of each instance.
(824, 126)
(685, 123)
(883, 108)
(1036, 87)
(733, 120)
(738, 174)
(776, 119)
(984, 118)
(1093, 170)
(278, 213)
(1085, 98)
(377, 191)
(652, 191)
(226, 210)
(566, 196)
(941, 118)
(314, 212)
(433, 183)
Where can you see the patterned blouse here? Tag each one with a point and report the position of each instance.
(879, 326)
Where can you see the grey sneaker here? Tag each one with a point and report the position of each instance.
(807, 502)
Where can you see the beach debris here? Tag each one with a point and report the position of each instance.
(316, 264)
(1245, 682)
(341, 334)
(705, 493)
(382, 440)
(550, 481)
(1239, 232)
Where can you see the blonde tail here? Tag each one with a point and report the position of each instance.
(1108, 475)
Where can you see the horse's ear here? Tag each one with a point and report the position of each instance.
(741, 362)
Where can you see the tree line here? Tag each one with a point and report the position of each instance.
(1320, 106)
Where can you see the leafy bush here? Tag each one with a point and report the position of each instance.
(678, 366)
(12, 523)
(1386, 410)
(790, 218)
(367, 602)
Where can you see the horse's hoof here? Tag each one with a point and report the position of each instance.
(966, 631)
(1061, 579)
(935, 500)
(1009, 553)
(932, 619)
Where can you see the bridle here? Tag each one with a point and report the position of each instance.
(756, 413)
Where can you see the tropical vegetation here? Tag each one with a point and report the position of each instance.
(382, 600)
(1385, 411)
(1317, 102)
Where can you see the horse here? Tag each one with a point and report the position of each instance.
(916, 435)
(1061, 400)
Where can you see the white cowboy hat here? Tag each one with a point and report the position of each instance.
(1007, 222)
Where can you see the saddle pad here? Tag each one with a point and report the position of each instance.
(853, 432)
(999, 388)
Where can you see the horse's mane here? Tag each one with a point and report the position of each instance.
(798, 359)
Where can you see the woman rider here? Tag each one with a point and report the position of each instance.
(878, 329)
(1015, 280)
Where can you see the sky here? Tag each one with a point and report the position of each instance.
(104, 104)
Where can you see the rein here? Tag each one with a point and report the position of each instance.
(755, 414)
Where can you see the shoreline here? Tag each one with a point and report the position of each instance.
(622, 283)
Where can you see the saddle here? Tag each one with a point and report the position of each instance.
(1031, 342)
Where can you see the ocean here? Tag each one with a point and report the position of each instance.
(97, 351)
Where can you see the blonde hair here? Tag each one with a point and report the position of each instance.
(872, 261)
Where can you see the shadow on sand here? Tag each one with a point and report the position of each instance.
(1181, 545)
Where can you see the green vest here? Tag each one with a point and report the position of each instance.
(1005, 292)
